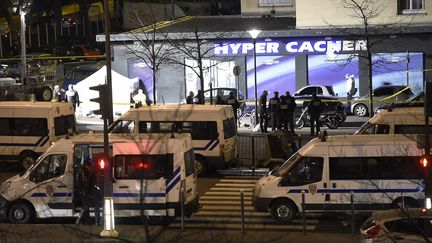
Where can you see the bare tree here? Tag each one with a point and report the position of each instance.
(197, 46)
(370, 30)
(150, 45)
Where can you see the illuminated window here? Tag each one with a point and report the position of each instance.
(265, 3)
(411, 6)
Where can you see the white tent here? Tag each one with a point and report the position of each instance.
(122, 87)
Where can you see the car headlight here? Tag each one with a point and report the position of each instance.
(4, 186)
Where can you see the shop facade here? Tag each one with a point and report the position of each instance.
(288, 63)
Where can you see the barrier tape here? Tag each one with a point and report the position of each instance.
(53, 58)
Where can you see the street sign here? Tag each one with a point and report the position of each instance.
(236, 70)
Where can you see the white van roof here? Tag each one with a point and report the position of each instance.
(387, 116)
(176, 142)
(157, 111)
(33, 105)
(398, 144)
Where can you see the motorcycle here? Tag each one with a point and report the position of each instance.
(328, 119)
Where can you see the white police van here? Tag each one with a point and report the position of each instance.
(27, 128)
(380, 172)
(212, 127)
(409, 120)
(149, 173)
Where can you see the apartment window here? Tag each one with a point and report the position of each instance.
(265, 3)
(410, 6)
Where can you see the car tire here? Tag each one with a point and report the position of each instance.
(21, 213)
(27, 159)
(283, 211)
(361, 110)
(44, 94)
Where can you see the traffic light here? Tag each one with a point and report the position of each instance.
(424, 162)
(102, 163)
(103, 100)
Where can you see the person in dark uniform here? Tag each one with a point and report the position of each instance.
(84, 192)
(200, 98)
(290, 101)
(96, 183)
(219, 100)
(315, 107)
(233, 102)
(190, 97)
(283, 113)
(262, 109)
(274, 104)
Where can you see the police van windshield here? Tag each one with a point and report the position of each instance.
(122, 126)
(369, 128)
(285, 167)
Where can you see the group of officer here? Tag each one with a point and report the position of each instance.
(281, 112)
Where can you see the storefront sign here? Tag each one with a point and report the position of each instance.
(290, 47)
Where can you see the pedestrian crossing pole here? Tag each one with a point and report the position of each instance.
(109, 225)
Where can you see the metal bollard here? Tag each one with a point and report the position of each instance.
(242, 210)
(403, 200)
(352, 214)
(253, 150)
(182, 208)
(303, 212)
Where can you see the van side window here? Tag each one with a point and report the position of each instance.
(189, 158)
(308, 170)
(124, 126)
(409, 129)
(5, 128)
(381, 168)
(149, 166)
(51, 166)
(64, 125)
(199, 130)
(229, 127)
(30, 126)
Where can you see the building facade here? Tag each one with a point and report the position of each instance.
(290, 55)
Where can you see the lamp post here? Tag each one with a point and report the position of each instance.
(254, 34)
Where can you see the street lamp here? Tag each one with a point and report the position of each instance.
(254, 34)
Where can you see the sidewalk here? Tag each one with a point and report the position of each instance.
(136, 233)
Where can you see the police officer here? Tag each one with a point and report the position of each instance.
(199, 98)
(274, 104)
(84, 192)
(190, 97)
(283, 113)
(262, 108)
(290, 101)
(96, 183)
(219, 100)
(233, 102)
(315, 107)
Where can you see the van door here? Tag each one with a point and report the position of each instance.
(191, 176)
(52, 186)
(307, 175)
(356, 172)
(140, 183)
(30, 134)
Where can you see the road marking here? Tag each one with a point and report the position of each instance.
(247, 226)
(237, 202)
(234, 185)
(229, 208)
(249, 193)
(230, 189)
(238, 181)
(237, 197)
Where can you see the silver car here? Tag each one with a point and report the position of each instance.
(384, 95)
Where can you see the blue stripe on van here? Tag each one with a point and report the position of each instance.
(209, 146)
(359, 190)
(176, 181)
(43, 139)
(176, 172)
(137, 195)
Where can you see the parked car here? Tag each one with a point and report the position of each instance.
(383, 95)
(320, 90)
(416, 100)
(85, 50)
(223, 92)
(398, 225)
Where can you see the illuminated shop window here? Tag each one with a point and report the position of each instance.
(265, 3)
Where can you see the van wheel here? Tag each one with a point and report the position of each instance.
(27, 159)
(21, 213)
(283, 211)
(201, 166)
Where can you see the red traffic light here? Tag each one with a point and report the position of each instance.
(143, 165)
(424, 162)
(102, 163)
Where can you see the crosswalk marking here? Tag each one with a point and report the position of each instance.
(221, 209)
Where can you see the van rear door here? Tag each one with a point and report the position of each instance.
(6, 132)
(140, 183)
